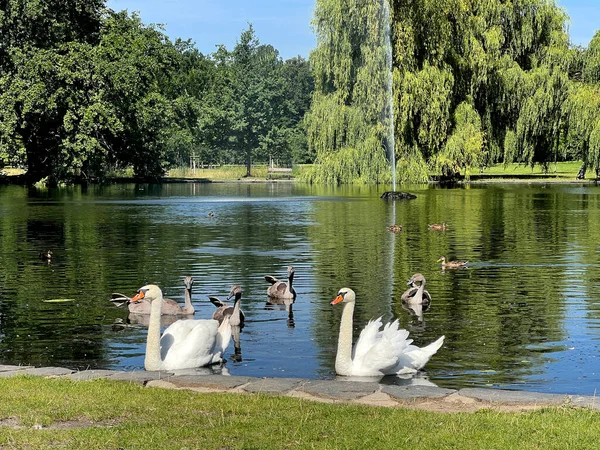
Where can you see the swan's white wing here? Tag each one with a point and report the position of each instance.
(189, 343)
(385, 354)
(368, 337)
(415, 358)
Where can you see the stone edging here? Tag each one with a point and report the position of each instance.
(329, 391)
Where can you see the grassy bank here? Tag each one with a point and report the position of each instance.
(562, 172)
(40, 413)
(230, 172)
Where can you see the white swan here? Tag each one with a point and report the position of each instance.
(377, 353)
(186, 343)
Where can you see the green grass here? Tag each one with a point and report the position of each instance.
(232, 172)
(38, 413)
(11, 171)
(561, 171)
(564, 170)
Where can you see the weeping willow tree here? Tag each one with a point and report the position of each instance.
(477, 82)
(346, 125)
(581, 111)
(591, 62)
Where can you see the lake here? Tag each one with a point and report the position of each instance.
(524, 315)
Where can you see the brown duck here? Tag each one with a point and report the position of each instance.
(437, 226)
(452, 264)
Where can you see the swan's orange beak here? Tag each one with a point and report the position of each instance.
(138, 297)
(337, 300)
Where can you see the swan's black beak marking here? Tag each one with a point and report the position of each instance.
(338, 299)
(139, 296)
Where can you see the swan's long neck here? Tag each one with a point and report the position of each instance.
(343, 359)
(189, 308)
(419, 294)
(290, 280)
(235, 319)
(223, 336)
(153, 360)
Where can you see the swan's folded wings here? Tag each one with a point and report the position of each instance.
(188, 339)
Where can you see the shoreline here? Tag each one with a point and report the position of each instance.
(418, 393)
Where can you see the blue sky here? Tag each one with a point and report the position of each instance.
(285, 24)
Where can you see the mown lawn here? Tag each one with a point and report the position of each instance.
(38, 413)
(560, 169)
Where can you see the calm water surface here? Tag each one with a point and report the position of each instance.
(524, 315)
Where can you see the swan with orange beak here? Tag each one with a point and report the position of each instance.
(377, 353)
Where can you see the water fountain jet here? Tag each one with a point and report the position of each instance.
(388, 110)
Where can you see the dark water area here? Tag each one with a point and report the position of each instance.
(524, 315)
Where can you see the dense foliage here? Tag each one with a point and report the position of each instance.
(346, 124)
(475, 83)
(85, 90)
(449, 86)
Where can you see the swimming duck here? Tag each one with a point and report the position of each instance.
(46, 256)
(452, 264)
(394, 228)
(437, 226)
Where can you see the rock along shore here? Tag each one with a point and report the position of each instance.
(420, 396)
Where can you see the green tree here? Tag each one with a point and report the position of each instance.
(76, 109)
(259, 98)
(346, 125)
(299, 85)
(45, 50)
(509, 60)
(591, 58)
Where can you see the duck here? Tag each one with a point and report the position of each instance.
(237, 316)
(394, 228)
(186, 343)
(452, 264)
(377, 353)
(414, 294)
(437, 226)
(281, 289)
(211, 214)
(46, 256)
(170, 307)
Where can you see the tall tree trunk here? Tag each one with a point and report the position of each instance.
(248, 163)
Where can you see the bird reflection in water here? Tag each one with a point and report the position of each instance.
(417, 311)
(282, 304)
